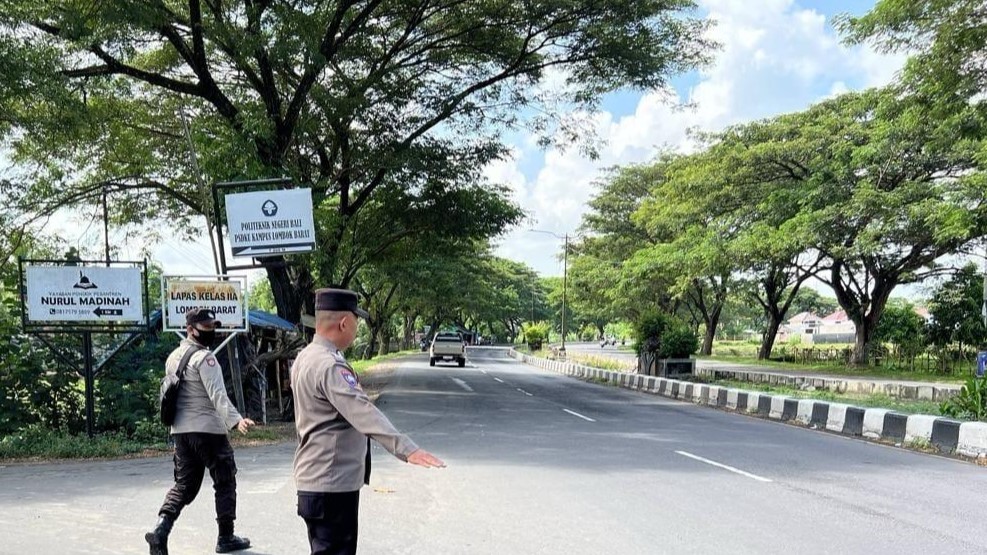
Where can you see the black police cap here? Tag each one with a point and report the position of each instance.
(339, 300)
(201, 316)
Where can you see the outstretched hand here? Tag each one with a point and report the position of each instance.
(244, 424)
(422, 457)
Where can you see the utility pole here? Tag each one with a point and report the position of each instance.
(106, 227)
(565, 279)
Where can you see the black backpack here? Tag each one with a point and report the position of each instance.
(170, 385)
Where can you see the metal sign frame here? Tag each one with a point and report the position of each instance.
(30, 326)
(83, 329)
(244, 298)
(221, 219)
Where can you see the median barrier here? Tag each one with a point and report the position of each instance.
(943, 435)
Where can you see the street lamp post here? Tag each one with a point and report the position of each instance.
(565, 281)
(565, 277)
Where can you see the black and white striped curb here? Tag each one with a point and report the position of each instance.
(922, 431)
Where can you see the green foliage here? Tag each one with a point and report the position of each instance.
(35, 387)
(901, 326)
(678, 341)
(43, 443)
(535, 334)
(388, 110)
(588, 333)
(261, 297)
(810, 300)
(127, 387)
(942, 37)
(955, 307)
(970, 403)
(665, 336)
(648, 329)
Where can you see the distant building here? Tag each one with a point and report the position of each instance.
(833, 328)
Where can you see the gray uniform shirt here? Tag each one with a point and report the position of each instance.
(334, 416)
(203, 405)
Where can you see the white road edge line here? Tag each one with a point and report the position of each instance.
(499, 380)
(724, 467)
(462, 384)
(574, 413)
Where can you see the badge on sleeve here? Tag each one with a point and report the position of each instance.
(349, 378)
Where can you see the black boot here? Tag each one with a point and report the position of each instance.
(231, 543)
(157, 539)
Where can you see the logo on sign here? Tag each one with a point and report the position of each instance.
(84, 282)
(270, 208)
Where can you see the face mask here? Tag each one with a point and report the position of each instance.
(205, 338)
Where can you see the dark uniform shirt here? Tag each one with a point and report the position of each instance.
(334, 417)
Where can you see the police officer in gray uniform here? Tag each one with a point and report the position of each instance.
(335, 421)
(203, 416)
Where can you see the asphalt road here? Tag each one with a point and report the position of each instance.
(539, 463)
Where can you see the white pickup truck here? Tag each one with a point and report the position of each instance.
(447, 347)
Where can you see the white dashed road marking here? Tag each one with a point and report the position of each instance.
(724, 467)
(588, 419)
(462, 384)
(525, 392)
(499, 380)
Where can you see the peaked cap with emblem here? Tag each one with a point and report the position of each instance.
(202, 316)
(339, 300)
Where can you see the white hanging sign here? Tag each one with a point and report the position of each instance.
(268, 223)
(84, 294)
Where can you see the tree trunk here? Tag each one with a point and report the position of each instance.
(287, 300)
(768, 342)
(861, 345)
(385, 340)
(712, 321)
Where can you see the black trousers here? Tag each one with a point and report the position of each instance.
(194, 453)
(332, 520)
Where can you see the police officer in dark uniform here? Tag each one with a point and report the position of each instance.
(335, 421)
(203, 417)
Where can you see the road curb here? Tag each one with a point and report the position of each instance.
(917, 431)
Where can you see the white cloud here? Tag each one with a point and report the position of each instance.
(776, 58)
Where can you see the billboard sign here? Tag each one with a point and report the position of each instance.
(84, 294)
(225, 298)
(269, 223)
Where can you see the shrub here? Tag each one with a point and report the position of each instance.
(38, 442)
(970, 403)
(648, 330)
(535, 333)
(678, 341)
(665, 336)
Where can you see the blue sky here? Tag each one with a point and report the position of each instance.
(777, 56)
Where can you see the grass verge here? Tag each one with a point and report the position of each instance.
(841, 370)
(37, 444)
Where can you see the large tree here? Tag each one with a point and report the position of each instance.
(886, 193)
(947, 41)
(348, 96)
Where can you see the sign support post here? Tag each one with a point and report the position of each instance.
(54, 301)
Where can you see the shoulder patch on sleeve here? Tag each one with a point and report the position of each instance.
(349, 377)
